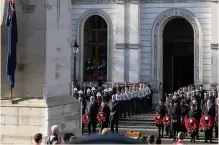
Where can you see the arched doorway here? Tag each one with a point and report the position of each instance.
(178, 55)
(95, 49)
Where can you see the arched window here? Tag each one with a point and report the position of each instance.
(95, 49)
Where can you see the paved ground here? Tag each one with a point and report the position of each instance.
(145, 124)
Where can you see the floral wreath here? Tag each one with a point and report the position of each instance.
(101, 116)
(206, 121)
(85, 118)
(167, 120)
(158, 119)
(191, 124)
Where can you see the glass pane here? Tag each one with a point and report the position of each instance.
(95, 49)
(102, 35)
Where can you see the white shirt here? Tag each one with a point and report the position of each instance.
(118, 97)
(124, 97)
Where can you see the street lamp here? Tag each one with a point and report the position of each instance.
(74, 53)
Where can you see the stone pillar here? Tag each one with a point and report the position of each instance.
(134, 51)
(62, 108)
(214, 43)
(42, 91)
(120, 44)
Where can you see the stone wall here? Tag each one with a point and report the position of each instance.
(149, 12)
(19, 123)
(30, 70)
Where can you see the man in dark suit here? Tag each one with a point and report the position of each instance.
(176, 119)
(105, 109)
(209, 109)
(92, 109)
(161, 109)
(202, 93)
(114, 115)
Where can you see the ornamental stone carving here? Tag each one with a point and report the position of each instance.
(132, 1)
(159, 21)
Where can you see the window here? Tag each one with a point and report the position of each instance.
(95, 49)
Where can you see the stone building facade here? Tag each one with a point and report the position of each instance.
(135, 39)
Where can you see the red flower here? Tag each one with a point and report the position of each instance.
(206, 122)
(191, 124)
(101, 116)
(158, 119)
(85, 118)
(166, 120)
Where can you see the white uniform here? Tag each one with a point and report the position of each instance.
(118, 97)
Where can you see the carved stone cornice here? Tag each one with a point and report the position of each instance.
(134, 1)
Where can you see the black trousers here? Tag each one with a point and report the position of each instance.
(175, 129)
(93, 125)
(208, 134)
(104, 125)
(216, 131)
(114, 124)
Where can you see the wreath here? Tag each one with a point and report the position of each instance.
(101, 116)
(167, 120)
(216, 120)
(85, 118)
(191, 124)
(206, 122)
(158, 119)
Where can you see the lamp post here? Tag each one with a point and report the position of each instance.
(74, 53)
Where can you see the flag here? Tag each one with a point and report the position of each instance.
(11, 23)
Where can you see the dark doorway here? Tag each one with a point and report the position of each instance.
(95, 49)
(178, 55)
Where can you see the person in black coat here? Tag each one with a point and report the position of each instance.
(202, 94)
(161, 109)
(176, 119)
(105, 109)
(114, 115)
(184, 113)
(209, 109)
(195, 114)
(92, 110)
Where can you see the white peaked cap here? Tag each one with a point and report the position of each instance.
(80, 92)
(75, 89)
(105, 90)
(88, 90)
(98, 94)
(110, 89)
(93, 89)
(194, 102)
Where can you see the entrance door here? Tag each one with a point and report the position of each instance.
(178, 55)
(182, 71)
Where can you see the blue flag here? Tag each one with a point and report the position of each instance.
(11, 23)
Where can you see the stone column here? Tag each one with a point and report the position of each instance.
(134, 52)
(62, 108)
(119, 61)
(214, 43)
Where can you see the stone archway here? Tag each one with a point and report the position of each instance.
(80, 38)
(157, 42)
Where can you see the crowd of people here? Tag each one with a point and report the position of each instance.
(187, 108)
(123, 100)
(120, 101)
